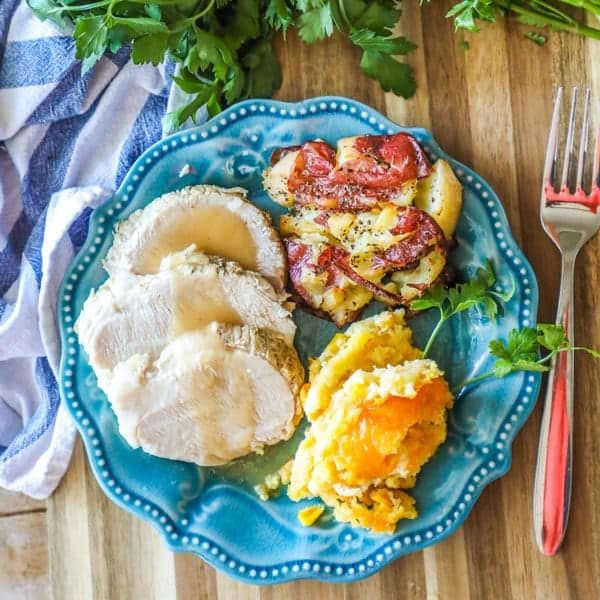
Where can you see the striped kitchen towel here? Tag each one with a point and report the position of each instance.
(66, 140)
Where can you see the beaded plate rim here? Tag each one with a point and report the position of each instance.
(176, 534)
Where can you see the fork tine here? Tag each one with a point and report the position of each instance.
(564, 184)
(583, 141)
(552, 148)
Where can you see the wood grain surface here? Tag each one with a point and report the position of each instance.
(488, 106)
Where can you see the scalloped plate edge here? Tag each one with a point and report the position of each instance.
(182, 541)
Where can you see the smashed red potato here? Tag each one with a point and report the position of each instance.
(353, 234)
(339, 262)
(364, 172)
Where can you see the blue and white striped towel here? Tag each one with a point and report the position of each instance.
(58, 130)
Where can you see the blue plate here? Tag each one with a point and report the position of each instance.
(213, 512)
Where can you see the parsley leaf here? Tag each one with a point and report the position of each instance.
(137, 25)
(379, 16)
(209, 51)
(234, 83)
(434, 297)
(465, 295)
(537, 13)
(316, 24)
(224, 47)
(465, 13)
(244, 25)
(46, 9)
(188, 82)
(536, 37)
(480, 292)
(153, 11)
(279, 15)
(263, 73)
(173, 120)
(90, 40)
(149, 48)
(521, 345)
(217, 39)
(393, 76)
(369, 40)
(521, 351)
(504, 367)
(552, 337)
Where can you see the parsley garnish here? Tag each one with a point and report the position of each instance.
(224, 47)
(521, 351)
(480, 292)
(549, 14)
(536, 37)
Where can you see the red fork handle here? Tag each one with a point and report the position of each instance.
(552, 493)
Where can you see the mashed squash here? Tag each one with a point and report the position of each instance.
(379, 341)
(377, 413)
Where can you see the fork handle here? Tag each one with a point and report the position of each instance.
(552, 492)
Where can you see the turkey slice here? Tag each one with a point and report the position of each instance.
(141, 314)
(219, 221)
(211, 396)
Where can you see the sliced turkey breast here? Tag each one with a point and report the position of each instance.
(211, 396)
(219, 221)
(140, 314)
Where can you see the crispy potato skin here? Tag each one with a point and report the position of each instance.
(339, 262)
(353, 249)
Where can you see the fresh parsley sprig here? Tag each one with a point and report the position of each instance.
(225, 47)
(480, 292)
(552, 14)
(521, 351)
(527, 349)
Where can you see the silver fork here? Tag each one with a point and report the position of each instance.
(570, 218)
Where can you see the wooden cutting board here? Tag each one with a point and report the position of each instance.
(488, 106)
